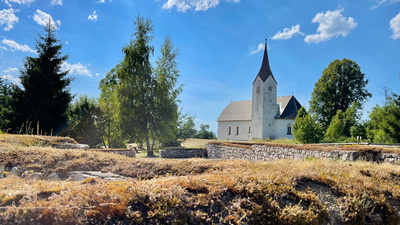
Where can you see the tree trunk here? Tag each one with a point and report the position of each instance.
(149, 150)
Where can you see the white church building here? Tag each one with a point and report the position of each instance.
(265, 116)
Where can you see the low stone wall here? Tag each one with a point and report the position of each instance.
(71, 146)
(182, 153)
(269, 153)
(125, 152)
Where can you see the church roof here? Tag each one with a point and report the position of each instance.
(290, 107)
(241, 110)
(265, 70)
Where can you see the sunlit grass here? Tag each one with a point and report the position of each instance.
(195, 191)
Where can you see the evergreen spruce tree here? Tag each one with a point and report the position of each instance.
(45, 97)
(5, 104)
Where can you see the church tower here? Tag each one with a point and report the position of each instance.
(264, 102)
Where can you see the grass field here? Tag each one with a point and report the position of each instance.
(195, 191)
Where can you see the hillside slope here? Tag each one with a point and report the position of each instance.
(194, 191)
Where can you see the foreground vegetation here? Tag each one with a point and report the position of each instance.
(194, 191)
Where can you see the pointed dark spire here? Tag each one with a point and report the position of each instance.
(265, 70)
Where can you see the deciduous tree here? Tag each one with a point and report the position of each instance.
(384, 124)
(83, 121)
(305, 129)
(109, 123)
(204, 132)
(147, 97)
(342, 84)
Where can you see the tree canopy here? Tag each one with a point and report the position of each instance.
(147, 96)
(342, 83)
(204, 132)
(6, 100)
(109, 123)
(305, 129)
(384, 124)
(83, 126)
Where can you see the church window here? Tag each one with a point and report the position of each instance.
(249, 129)
(229, 130)
(269, 88)
(258, 90)
(289, 129)
(237, 130)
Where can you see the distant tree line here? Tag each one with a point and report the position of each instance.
(138, 101)
(335, 106)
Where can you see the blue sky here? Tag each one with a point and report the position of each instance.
(219, 43)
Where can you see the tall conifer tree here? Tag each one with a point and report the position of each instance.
(45, 97)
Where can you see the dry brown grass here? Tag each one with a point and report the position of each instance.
(195, 143)
(197, 191)
(34, 140)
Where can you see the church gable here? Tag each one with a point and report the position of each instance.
(289, 106)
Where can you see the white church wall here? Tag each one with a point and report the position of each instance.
(281, 128)
(242, 135)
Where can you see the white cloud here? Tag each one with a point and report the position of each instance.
(395, 26)
(56, 2)
(11, 70)
(11, 78)
(15, 46)
(198, 5)
(331, 24)
(287, 33)
(384, 1)
(260, 47)
(8, 17)
(21, 2)
(103, 1)
(76, 69)
(11, 75)
(93, 16)
(66, 42)
(43, 18)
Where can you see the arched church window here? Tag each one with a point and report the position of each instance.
(229, 130)
(289, 129)
(269, 88)
(237, 130)
(258, 90)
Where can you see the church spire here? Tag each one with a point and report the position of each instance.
(265, 70)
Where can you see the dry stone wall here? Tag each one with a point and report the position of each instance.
(125, 152)
(269, 153)
(182, 153)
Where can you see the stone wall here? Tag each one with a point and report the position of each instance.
(125, 152)
(269, 153)
(183, 153)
